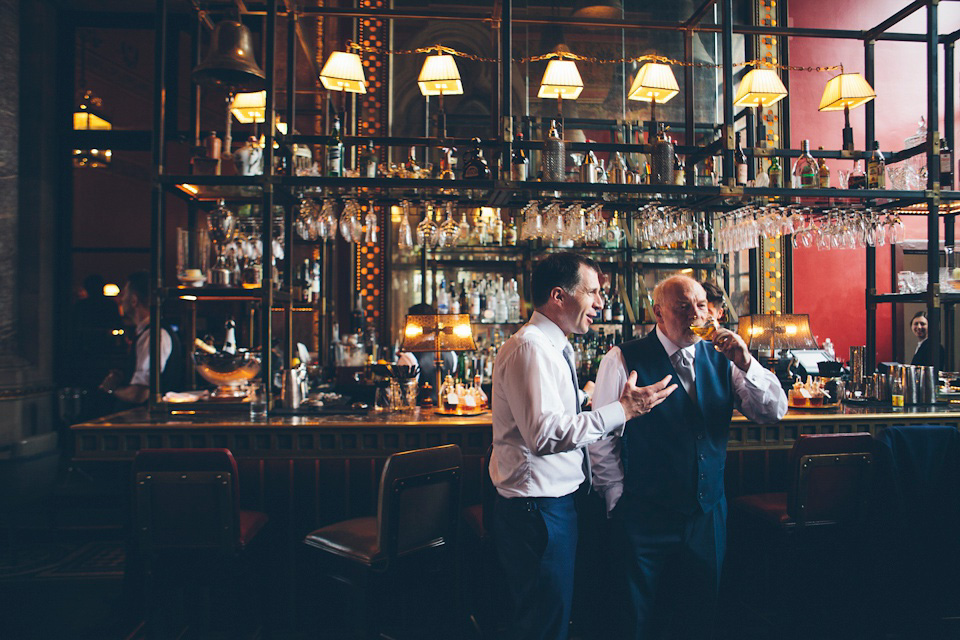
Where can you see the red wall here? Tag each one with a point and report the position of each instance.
(831, 285)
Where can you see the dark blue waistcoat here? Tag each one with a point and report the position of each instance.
(675, 454)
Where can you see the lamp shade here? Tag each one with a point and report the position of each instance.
(777, 331)
(343, 72)
(760, 88)
(440, 76)
(250, 107)
(654, 82)
(598, 9)
(561, 80)
(435, 332)
(847, 90)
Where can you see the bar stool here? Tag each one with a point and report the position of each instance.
(409, 545)
(809, 538)
(189, 532)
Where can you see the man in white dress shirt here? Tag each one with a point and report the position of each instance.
(662, 477)
(539, 439)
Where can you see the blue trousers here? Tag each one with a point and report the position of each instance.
(671, 565)
(536, 541)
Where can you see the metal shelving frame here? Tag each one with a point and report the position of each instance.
(501, 192)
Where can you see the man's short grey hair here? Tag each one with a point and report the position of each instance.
(658, 290)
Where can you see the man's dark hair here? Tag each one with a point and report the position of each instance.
(714, 293)
(139, 284)
(558, 270)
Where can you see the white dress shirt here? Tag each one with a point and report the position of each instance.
(758, 395)
(141, 374)
(538, 436)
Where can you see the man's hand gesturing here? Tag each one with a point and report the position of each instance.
(637, 401)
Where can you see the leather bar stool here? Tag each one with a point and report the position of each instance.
(806, 541)
(189, 534)
(405, 556)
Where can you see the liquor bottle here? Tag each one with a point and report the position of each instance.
(824, 173)
(608, 307)
(857, 179)
(946, 165)
(230, 340)
(315, 285)
(475, 167)
(662, 171)
(709, 172)
(703, 233)
(613, 235)
(464, 298)
(443, 302)
(335, 151)
(496, 229)
(357, 318)
(513, 303)
(805, 170)
(501, 312)
(411, 166)
(454, 300)
(476, 303)
(553, 158)
(367, 161)
(678, 170)
(446, 164)
(518, 162)
(775, 173)
(306, 281)
(740, 163)
(876, 169)
(510, 233)
(617, 304)
(618, 173)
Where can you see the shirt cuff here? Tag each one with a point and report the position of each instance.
(754, 373)
(611, 495)
(613, 417)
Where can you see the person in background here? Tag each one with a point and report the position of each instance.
(662, 476)
(135, 306)
(426, 359)
(716, 303)
(923, 356)
(539, 440)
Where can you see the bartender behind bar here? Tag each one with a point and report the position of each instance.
(135, 307)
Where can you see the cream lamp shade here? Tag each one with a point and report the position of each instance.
(655, 82)
(760, 88)
(777, 331)
(846, 91)
(561, 80)
(440, 76)
(343, 71)
(249, 107)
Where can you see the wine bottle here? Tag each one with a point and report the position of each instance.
(475, 167)
(335, 151)
(740, 162)
(230, 341)
(806, 172)
(823, 173)
(367, 161)
(946, 165)
(518, 162)
(775, 173)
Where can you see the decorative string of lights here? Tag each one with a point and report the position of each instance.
(566, 55)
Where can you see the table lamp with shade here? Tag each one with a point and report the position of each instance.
(440, 76)
(561, 80)
(343, 71)
(766, 334)
(846, 91)
(654, 83)
(760, 88)
(437, 333)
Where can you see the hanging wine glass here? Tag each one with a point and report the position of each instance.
(404, 233)
(350, 227)
(222, 226)
(427, 229)
(532, 227)
(449, 230)
(370, 225)
(553, 223)
(305, 224)
(327, 221)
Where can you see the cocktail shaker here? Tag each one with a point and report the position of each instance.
(856, 364)
(928, 385)
(908, 378)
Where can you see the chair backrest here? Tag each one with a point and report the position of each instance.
(419, 502)
(830, 478)
(186, 499)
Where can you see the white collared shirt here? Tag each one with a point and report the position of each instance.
(758, 395)
(538, 436)
(141, 374)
